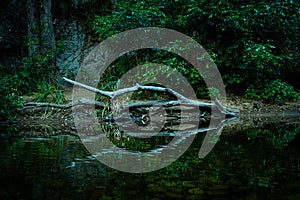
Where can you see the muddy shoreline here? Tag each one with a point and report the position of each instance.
(248, 108)
(50, 121)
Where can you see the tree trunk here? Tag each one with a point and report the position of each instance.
(33, 34)
(41, 39)
(47, 31)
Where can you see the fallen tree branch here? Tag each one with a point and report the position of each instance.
(181, 99)
(45, 104)
(81, 101)
(137, 87)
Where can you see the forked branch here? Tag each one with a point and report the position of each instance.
(181, 99)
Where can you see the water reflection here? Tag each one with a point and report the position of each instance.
(250, 161)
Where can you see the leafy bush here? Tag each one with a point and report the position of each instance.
(279, 92)
(252, 93)
(27, 78)
(242, 37)
(36, 69)
(49, 93)
(128, 15)
(10, 99)
(275, 91)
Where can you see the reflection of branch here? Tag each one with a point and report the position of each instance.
(182, 131)
(212, 135)
(182, 99)
(183, 128)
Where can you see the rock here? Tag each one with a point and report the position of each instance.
(71, 33)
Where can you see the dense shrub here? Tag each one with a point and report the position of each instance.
(10, 99)
(34, 76)
(251, 42)
(275, 92)
(49, 93)
(279, 92)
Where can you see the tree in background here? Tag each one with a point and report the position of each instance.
(37, 74)
(41, 39)
(254, 43)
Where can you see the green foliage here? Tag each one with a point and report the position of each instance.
(10, 99)
(252, 93)
(275, 92)
(49, 93)
(260, 62)
(128, 15)
(213, 92)
(253, 43)
(174, 66)
(279, 92)
(36, 69)
(33, 75)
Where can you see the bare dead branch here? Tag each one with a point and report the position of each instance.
(182, 100)
(137, 87)
(81, 101)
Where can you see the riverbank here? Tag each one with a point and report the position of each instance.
(252, 113)
(246, 107)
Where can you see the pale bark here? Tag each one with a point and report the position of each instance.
(182, 100)
(65, 106)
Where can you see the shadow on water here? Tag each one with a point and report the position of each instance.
(256, 157)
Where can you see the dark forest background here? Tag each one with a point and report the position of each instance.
(255, 44)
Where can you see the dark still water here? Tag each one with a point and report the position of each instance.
(256, 161)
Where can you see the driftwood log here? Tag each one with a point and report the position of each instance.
(182, 100)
